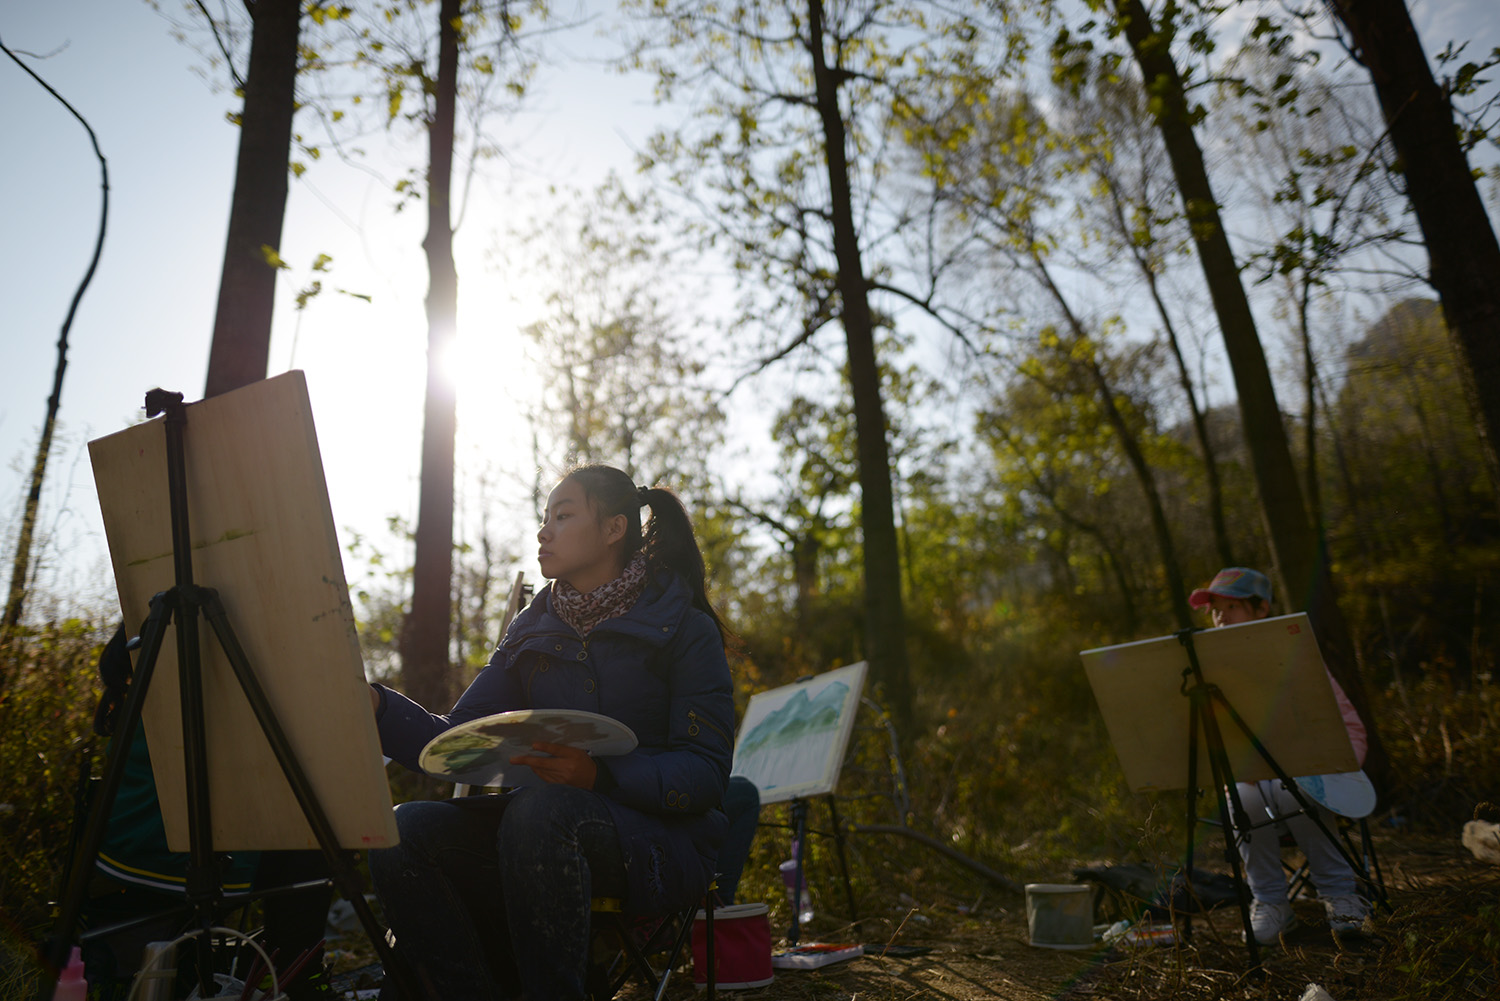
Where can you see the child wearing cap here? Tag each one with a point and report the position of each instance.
(1236, 595)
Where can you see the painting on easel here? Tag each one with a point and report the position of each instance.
(793, 738)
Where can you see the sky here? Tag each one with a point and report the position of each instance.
(146, 318)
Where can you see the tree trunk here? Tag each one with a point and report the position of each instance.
(1122, 583)
(805, 548)
(247, 286)
(1461, 246)
(1300, 560)
(1310, 410)
(425, 660)
(885, 622)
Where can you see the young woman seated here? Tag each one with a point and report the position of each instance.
(488, 896)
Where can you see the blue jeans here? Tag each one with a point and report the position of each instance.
(489, 896)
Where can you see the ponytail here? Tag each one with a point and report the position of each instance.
(668, 537)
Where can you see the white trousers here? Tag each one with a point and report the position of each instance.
(1260, 849)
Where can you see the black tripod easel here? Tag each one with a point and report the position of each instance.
(1205, 700)
(181, 605)
(799, 855)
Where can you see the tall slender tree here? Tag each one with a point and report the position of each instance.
(241, 344)
(884, 616)
(1128, 167)
(788, 84)
(21, 563)
(442, 81)
(1301, 562)
(1462, 250)
(425, 646)
(1014, 227)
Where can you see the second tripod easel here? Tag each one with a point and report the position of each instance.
(1161, 694)
(1234, 821)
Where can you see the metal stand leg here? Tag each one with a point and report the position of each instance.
(185, 601)
(799, 827)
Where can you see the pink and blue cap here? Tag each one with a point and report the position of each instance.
(1233, 582)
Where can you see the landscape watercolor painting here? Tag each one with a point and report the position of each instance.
(793, 738)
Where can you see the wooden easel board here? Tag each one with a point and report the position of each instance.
(263, 537)
(1270, 671)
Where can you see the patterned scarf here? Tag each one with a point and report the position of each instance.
(585, 611)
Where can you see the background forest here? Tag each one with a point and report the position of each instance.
(915, 305)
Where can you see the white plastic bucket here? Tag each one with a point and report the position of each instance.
(1060, 915)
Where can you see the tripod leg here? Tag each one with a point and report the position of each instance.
(1192, 813)
(1375, 883)
(204, 891)
(1361, 871)
(203, 886)
(344, 876)
(838, 841)
(799, 827)
(81, 870)
(1232, 816)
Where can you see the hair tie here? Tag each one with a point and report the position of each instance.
(641, 495)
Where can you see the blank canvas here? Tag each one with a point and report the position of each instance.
(263, 537)
(1269, 670)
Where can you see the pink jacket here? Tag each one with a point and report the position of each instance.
(1352, 722)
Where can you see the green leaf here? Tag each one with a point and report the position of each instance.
(308, 293)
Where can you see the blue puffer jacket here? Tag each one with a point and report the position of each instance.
(659, 669)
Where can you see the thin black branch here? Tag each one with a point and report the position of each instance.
(213, 26)
(16, 597)
(820, 317)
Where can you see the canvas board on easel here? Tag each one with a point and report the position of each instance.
(793, 738)
(1269, 670)
(263, 537)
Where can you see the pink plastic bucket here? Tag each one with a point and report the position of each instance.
(742, 947)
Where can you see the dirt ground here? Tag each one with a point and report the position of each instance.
(1441, 940)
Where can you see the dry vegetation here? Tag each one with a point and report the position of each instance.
(1441, 941)
(1020, 779)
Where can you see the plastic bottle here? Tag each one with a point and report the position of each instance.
(158, 972)
(71, 986)
(789, 877)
